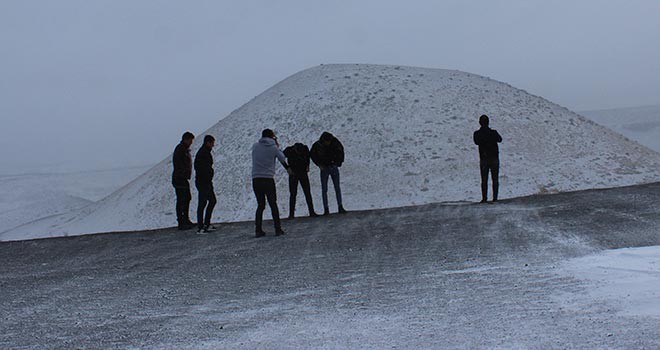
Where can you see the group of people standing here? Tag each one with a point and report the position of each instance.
(183, 163)
(327, 153)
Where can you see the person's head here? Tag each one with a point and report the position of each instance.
(187, 138)
(483, 120)
(326, 138)
(269, 133)
(209, 141)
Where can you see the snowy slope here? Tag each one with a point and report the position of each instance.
(641, 124)
(408, 139)
(29, 197)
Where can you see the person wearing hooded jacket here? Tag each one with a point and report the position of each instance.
(489, 159)
(264, 153)
(328, 154)
(204, 183)
(182, 170)
(298, 158)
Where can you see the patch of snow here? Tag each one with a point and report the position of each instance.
(30, 197)
(628, 279)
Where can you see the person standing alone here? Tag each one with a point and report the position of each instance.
(298, 158)
(204, 183)
(182, 163)
(489, 159)
(264, 153)
(328, 155)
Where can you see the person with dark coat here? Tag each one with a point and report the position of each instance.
(489, 160)
(204, 183)
(264, 153)
(182, 163)
(328, 154)
(298, 159)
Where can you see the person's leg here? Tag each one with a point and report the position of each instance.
(483, 165)
(293, 192)
(271, 196)
(183, 197)
(179, 203)
(186, 202)
(258, 188)
(324, 190)
(209, 208)
(495, 172)
(334, 173)
(202, 199)
(304, 183)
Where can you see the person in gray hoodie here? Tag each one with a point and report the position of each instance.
(264, 153)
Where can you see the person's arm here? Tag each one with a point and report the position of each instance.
(178, 161)
(280, 156)
(314, 154)
(340, 153)
(498, 138)
(476, 139)
(307, 158)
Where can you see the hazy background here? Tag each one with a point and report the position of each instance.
(103, 84)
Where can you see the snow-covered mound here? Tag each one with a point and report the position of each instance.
(408, 139)
(641, 124)
(29, 197)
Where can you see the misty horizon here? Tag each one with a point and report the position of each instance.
(89, 85)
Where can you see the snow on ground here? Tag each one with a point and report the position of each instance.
(641, 124)
(29, 197)
(478, 276)
(408, 139)
(628, 279)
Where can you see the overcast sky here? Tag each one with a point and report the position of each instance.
(98, 84)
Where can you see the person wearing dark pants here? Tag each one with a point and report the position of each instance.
(328, 154)
(264, 153)
(204, 183)
(489, 159)
(264, 189)
(182, 163)
(298, 158)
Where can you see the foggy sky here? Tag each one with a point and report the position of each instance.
(99, 84)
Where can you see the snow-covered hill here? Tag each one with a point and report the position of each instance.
(641, 124)
(408, 139)
(29, 197)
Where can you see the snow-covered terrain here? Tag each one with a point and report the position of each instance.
(408, 139)
(628, 279)
(641, 124)
(29, 197)
(514, 275)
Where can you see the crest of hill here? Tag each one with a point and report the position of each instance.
(407, 133)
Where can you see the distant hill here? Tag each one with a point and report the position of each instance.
(408, 138)
(641, 124)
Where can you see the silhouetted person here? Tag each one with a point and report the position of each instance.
(298, 158)
(328, 154)
(489, 159)
(182, 163)
(264, 153)
(204, 183)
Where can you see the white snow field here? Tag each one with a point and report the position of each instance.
(628, 279)
(29, 197)
(641, 124)
(407, 133)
